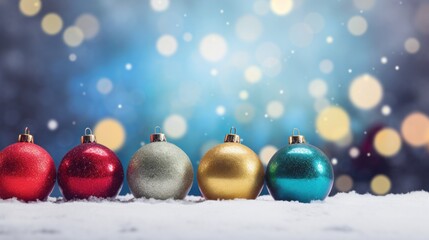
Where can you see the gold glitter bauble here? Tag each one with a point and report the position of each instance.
(230, 170)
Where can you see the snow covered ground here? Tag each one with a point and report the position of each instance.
(344, 216)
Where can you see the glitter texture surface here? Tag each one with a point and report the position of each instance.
(299, 172)
(160, 170)
(229, 171)
(27, 172)
(90, 169)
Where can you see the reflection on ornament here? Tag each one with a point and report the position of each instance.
(230, 170)
(299, 172)
(160, 170)
(90, 170)
(27, 171)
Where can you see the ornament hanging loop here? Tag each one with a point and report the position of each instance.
(296, 138)
(295, 130)
(26, 137)
(158, 136)
(232, 137)
(88, 137)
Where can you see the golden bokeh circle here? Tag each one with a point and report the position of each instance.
(281, 7)
(415, 129)
(30, 7)
(387, 142)
(365, 92)
(52, 23)
(111, 133)
(333, 123)
(380, 184)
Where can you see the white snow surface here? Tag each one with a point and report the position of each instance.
(343, 216)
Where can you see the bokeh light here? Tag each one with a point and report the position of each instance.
(357, 25)
(220, 110)
(412, 45)
(73, 36)
(104, 86)
(213, 47)
(326, 66)
(175, 126)
(354, 152)
(52, 124)
(415, 129)
(365, 92)
(386, 110)
(72, 57)
(344, 183)
(30, 7)
(266, 153)
(333, 123)
(275, 109)
(159, 5)
(281, 7)
(243, 95)
(52, 23)
(318, 88)
(253, 74)
(166, 45)
(387, 142)
(364, 4)
(89, 25)
(187, 37)
(110, 133)
(380, 184)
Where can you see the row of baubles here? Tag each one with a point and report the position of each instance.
(161, 170)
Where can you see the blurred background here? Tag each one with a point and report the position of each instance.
(353, 76)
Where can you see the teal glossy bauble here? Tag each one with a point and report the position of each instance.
(299, 172)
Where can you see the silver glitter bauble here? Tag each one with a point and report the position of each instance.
(160, 170)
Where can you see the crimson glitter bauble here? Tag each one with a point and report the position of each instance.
(27, 171)
(90, 170)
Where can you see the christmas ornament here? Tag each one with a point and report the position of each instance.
(299, 172)
(90, 170)
(230, 170)
(160, 170)
(27, 171)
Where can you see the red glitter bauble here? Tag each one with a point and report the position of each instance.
(90, 170)
(27, 172)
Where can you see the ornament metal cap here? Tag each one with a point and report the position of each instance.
(88, 137)
(26, 137)
(296, 138)
(158, 136)
(232, 136)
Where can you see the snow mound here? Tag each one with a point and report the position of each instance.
(343, 216)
